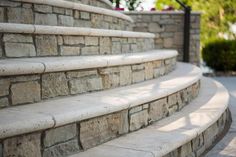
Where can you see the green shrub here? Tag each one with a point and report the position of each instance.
(220, 55)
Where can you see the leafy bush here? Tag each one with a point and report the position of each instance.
(220, 55)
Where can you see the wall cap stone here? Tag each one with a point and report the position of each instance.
(29, 118)
(160, 12)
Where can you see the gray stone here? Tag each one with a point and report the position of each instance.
(26, 92)
(138, 76)
(116, 47)
(54, 84)
(91, 41)
(78, 74)
(149, 73)
(158, 109)
(110, 81)
(105, 45)
(1, 150)
(210, 135)
(125, 75)
(46, 19)
(172, 100)
(19, 50)
(84, 15)
(4, 86)
(25, 78)
(156, 18)
(65, 20)
(1, 14)
(18, 38)
(186, 150)
(69, 12)
(138, 67)
(198, 143)
(94, 84)
(59, 135)
(23, 146)
(43, 8)
(58, 10)
(7, 3)
(138, 120)
(73, 40)
(155, 28)
(78, 86)
(46, 45)
(125, 48)
(69, 50)
(4, 102)
(99, 130)
(168, 42)
(20, 15)
(91, 50)
(63, 149)
(76, 14)
(135, 109)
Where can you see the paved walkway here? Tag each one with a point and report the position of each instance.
(227, 146)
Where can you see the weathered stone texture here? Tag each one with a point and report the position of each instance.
(19, 50)
(18, 38)
(46, 45)
(23, 146)
(4, 102)
(69, 50)
(138, 120)
(20, 15)
(65, 21)
(125, 75)
(158, 109)
(45, 19)
(4, 86)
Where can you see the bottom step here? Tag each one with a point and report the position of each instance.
(186, 133)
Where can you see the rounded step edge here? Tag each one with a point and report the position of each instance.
(172, 135)
(99, 3)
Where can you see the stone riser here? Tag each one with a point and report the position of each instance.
(97, 3)
(32, 45)
(197, 146)
(83, 135)
(16, 90)
(42, 14)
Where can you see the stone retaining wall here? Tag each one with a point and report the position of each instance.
(27, 13)
(16, 90)
(38, 45)
(169, 28)
(97, 3)
(79, 136)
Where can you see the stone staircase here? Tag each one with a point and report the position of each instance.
(76, 81)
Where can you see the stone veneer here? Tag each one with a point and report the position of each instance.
(16, 90)
(97, 3)
(79, 136)
(38, 45)
(39, 14)
(168, 28)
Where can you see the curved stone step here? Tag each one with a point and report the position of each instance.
(25, 40)
(62, 13)
(62, 76)
(83, 111)
(97, 3)
(186, 133)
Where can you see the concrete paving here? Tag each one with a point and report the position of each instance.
(227, 146)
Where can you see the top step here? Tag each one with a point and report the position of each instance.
(97, 3)
(62, 13)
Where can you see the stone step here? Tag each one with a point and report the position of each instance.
(63, 13)
(97, 3)
(28, 80)
(63, 126)
(26, 40)
(186, 133)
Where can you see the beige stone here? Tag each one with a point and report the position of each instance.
(26, 92)
(135, 109)
(4, 86)
(20, 15)
(73, 40)
(125, 48)
(125, 75)
(186, 150)
(18, 38)
(138, 120)
(105, 45)
(138, 76)
(58, 10)
(19, 50)
(4, 102)
(149, 73)
(91, 41)
(46, 19)
(24, 146)
(92, 50)
(210, 135)
(116, 47)
(65, 20)
(138, 67)
(43, 8)
(158, 109)
(155, 28)
(99, 130)
(94, 84)
(78, 74)
(59, 135)
(69, 50)
(46, 45)
(25, 78)
(54, 84)
(168, 42)
(78, 86)
(84, 15)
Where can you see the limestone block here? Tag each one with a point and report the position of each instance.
(158, 109)
(69, 12)
(138, 120)
(59, 135)
(54, 84)
(25, 146)
(73, 40)
(125, 48)
(63, 149)
(27, 5)
(17, 38)
(46, 45)
(167, 34)
(173, 109)
(116, 47)
(84, 15)
(155, 28)
(76, 14)
(91, 41)
(94, 84)
(82, 23)
(157, 64)
(138, 76)
(111, 80)
(156, 18)
(26, 92)
(65, 20)
(25, 78)
(172, 100)
(9, 3)
(45, 19)
(108, 19)
(78, 74)
(43, 8)
(125, 75)
(20, 15)
(4, 102)
(78, 86)
(1, 51)
(19, 50)
(105, 45)
(135, 109)
(172, 154)
(186, 150)
(4, 86)
(1, 14)
(111, 70)
(90, 50)
(69, 50)
(197, 142)
(168, 42)
(149, 73)
(101, 129)
(138, 67)
(210, 135)
(96, 20)
(58, 10)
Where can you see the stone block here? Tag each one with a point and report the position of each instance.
(91, 41)
(4, 102)
(42, 8)
(78, 86)
(210, 135)
(172, 100)
(138, 120)
(20, 15)
(17, 38)
(168, 42)
(156, 18)
(65, 20)
(24, 146)
(155, 28)
(198, 143)
(46, 45)
(59, 135)
(90, 50)
(69, 50)
(73, 40)
(25, 78)
(186, 150)
(138, 67)
(69, 12)
(4, 86)
(173, 109)
(101, 129)
(105, 45)
(138, 76)
(125, 48)
(54, 84)
(19, 50)
(94, 84)
(135, 109)
(125, 75)
(158, 109)
(58, 10)
(116, 47)
(149, 73)
(63, 149)
(110, 81)
(84, 15)
(79, 74)
(26, 92)
(2, 14)
(45, 19)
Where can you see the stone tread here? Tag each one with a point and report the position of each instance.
(54, 64)
(170, 133)
(29, 118)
